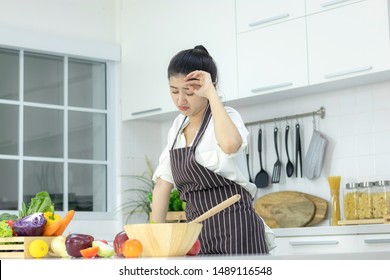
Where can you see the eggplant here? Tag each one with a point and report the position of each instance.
(31, 225)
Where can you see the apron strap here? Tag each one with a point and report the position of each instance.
(178, 132)
(205, 122)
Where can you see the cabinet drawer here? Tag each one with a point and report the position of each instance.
(253, 14)
(332, 244)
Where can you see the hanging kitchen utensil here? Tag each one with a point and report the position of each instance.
(278, 164)
(262, 178)
(315, 155)
(298, 150)
(289, 165)
(247, 164)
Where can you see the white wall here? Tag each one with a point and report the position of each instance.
(356, 125)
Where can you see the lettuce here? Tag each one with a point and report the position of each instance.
(39, 204)
(5, 229)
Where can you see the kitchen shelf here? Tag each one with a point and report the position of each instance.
(384, 220)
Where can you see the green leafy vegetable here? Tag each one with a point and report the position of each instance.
(5, 229)
(7, 216)
(39, 204)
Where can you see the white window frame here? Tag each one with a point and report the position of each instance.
(86, 50)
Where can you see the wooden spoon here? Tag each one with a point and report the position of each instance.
(219, 207)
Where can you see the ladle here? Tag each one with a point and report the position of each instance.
(219, 207)
(289, 165)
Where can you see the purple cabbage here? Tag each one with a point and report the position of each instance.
(31, 225)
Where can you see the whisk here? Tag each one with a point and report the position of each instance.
(334, 184)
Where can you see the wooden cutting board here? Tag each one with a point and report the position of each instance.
(291, 209)
(321, 209)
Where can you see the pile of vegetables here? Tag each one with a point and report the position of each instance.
(36, 219)
(175, 203)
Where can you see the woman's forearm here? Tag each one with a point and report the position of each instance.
(226, 132)
(160, 201)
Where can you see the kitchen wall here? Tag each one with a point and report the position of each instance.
(356, 126)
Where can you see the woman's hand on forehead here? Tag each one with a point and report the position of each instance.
(199, 82)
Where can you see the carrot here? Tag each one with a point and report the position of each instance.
(64, 223)
(52, 228)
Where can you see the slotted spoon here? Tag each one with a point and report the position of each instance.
(278, 164)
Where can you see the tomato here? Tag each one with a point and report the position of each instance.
(89, 252)
(132, 248)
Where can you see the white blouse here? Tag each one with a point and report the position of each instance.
(209, 154)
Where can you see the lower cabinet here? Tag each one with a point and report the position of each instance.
(331, 244)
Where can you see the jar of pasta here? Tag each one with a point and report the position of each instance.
(364, 200)
(380, 199)
(351, 201)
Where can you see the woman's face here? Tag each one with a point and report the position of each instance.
(188, 103)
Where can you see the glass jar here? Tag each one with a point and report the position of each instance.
(351, 201)
(364, 200)
(380, 198)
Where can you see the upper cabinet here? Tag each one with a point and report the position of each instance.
(261, 47)
(272, 58)
(252, 14)
(315, 6)
(271, 46)
(348, 41)
(332, 40)
(152, 32)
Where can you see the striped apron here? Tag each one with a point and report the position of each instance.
(236, 229)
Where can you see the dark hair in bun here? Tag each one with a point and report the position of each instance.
(190, 60)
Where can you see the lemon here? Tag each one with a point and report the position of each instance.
(38, 248)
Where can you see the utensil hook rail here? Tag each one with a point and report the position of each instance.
(320, 112)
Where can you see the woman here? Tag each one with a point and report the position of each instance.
(205, 160)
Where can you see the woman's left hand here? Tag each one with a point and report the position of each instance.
(200, 83)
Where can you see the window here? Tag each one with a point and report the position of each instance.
(53, 130)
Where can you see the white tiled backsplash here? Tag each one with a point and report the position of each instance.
(357, 125)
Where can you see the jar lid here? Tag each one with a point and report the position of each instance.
(382, 183)
(352, 185)
(366, 184)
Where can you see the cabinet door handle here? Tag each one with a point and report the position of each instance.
(346, 72)
(377, 240)
(314, 242)
(271, 87)
(333, 2)
(146, 111)
(266, 20)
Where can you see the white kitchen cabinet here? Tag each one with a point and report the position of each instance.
(348, 41)
(330, 240)
(315, 6)
(252, 14)
(272, 58)
(152, 32)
